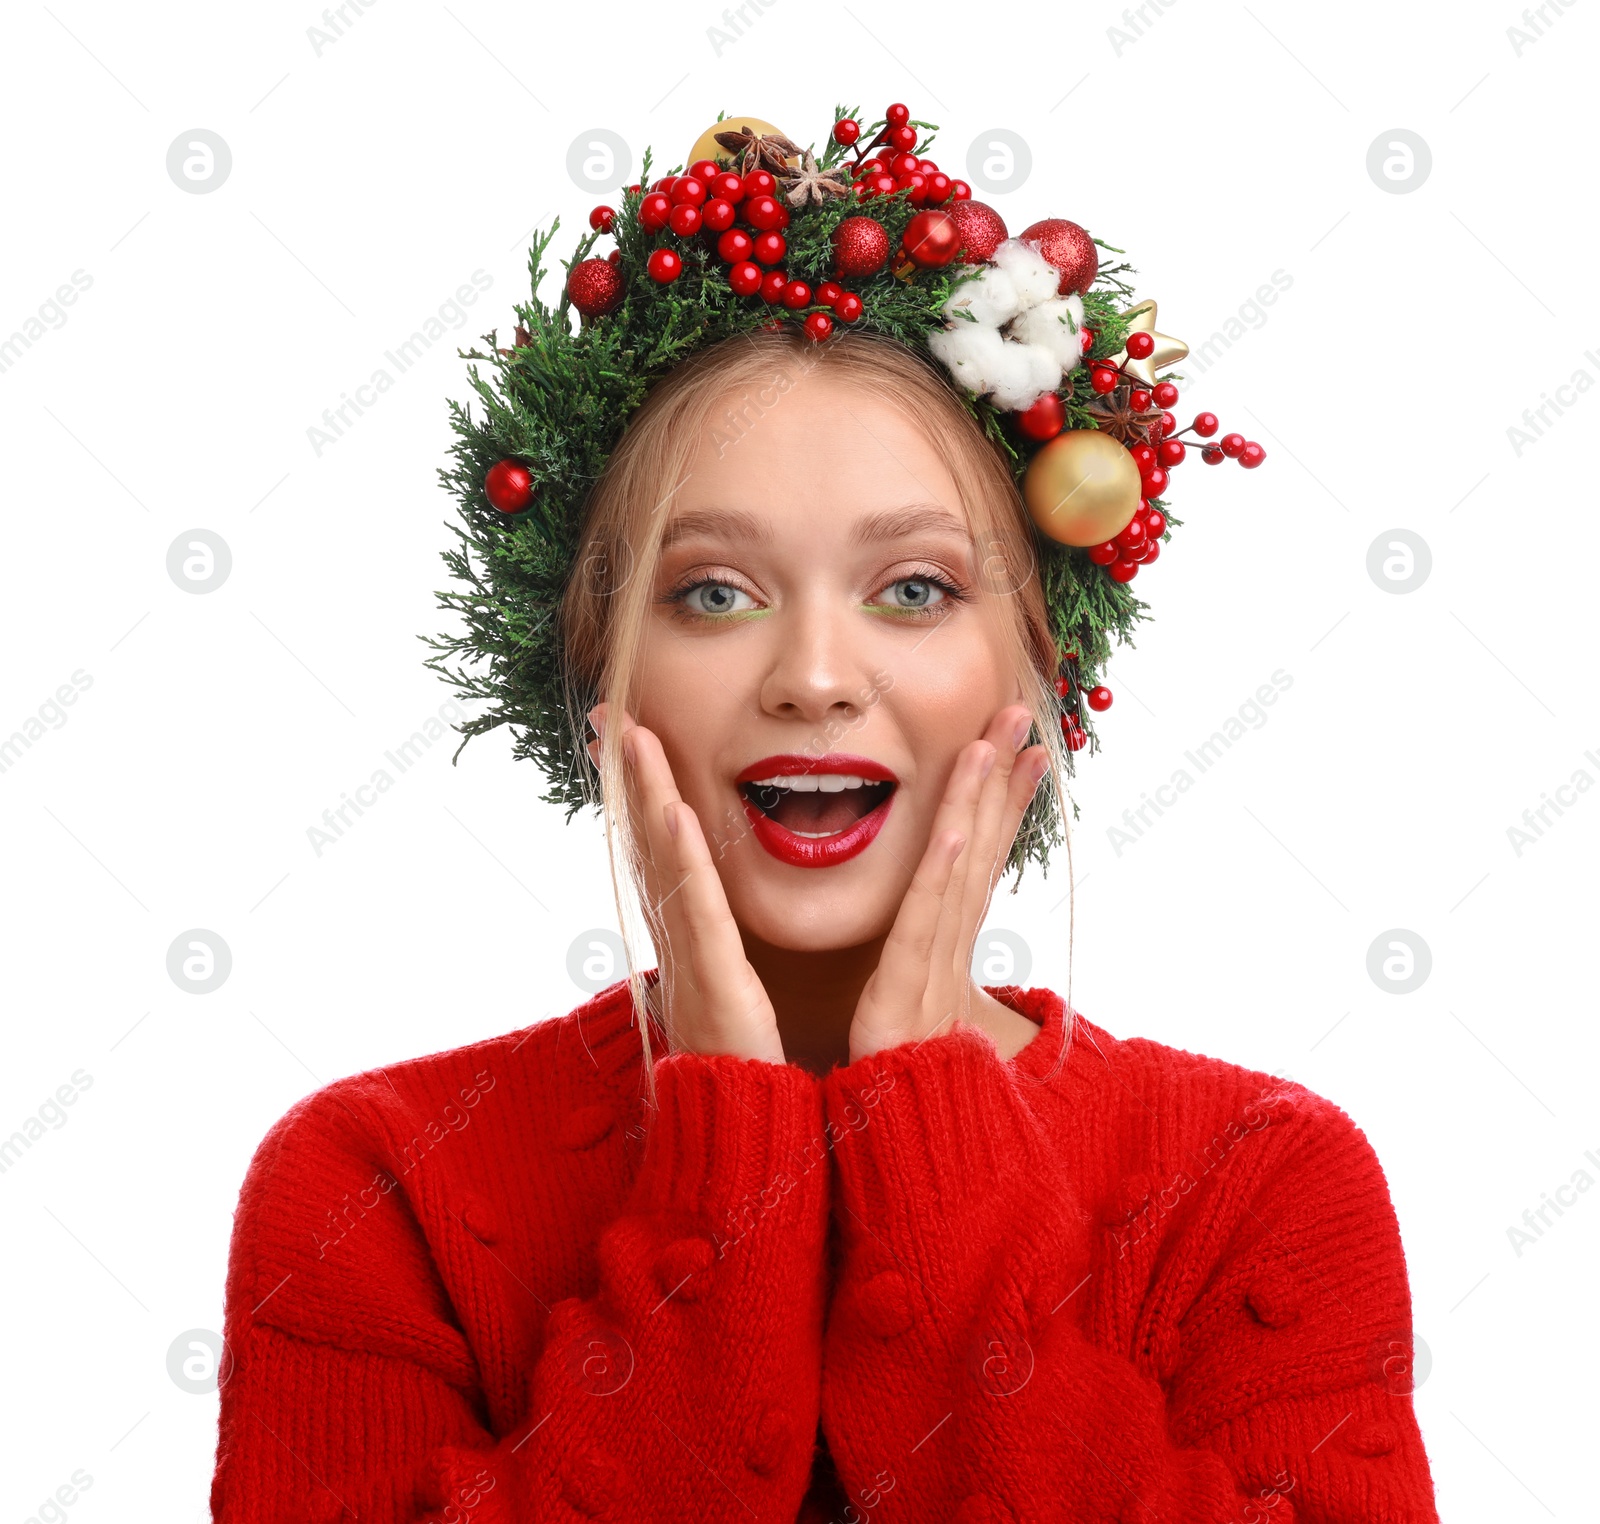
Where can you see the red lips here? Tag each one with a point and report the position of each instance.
(816, 852)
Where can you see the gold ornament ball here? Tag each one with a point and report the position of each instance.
(1081, 488)
(706, 145)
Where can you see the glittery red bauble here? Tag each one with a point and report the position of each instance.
(931, 239)
(595, 286)
(860, 247)
(509, 484)
(983, 230)
(1071, 250)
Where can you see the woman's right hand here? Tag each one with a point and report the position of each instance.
(714, 1002)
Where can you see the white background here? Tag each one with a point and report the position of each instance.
(370, 180)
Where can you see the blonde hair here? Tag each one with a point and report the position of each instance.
(608, 602)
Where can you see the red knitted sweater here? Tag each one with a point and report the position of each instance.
(490, 1287)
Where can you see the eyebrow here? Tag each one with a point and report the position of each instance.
(887, 524)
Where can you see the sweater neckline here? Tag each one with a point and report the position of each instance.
(609, 1033)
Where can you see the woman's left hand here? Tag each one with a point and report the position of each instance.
(923, 982)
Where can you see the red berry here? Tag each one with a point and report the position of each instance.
(1045, 419)
(1212, 455)
(688, 191)
(829, 292)
(1155, 524)
(1102, 380)
(1169, 424)
(764, 213)
(769, 248)
(759, 183)
(939, 185)
(797, 294)
(1252, 455)
(727, 185)
(1074, 734)
(654, 211)
(1063, 686)
(1140, 346)
(927, 166)
(685, 220)
(705, 170)
(1166, 394)
(601, 218)
(1155, 482)
(614, 257)
(1170, 452)
(901, 137)
(1232, 444)
(745, 277)
(1131, 534)
(633, 190)
(1152, 549)
(903, 164)
(717, 215)
(1139, 400)
(734, 245)
(1104, 555)
(1123, 571)
(1139, 553)
(848, 308)
(772, 286)
(896, 115)
(665, 184)
(960, 191)
(508, 485)
(818, 326)
(846, 130)
(1205, 424)
(1099, 698)
(664, 265)
(1086, 338)
(915, 186)
(1143, 457)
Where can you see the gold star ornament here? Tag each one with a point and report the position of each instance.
(1168, 350)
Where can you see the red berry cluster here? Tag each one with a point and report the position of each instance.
(895, 166)
(1069, 691)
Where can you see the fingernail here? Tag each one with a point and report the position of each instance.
(988, 764)
(627, 747)
(672, 820)
(597, 726)
(1040, 767)
(1020, 734)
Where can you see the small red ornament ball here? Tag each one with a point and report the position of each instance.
(735, 245)
(1155, 481)
(685, 221)
(848, 308)
(1045, 419)
(1232, 444)
(1099, 698)
(818, 326)
(860, 247)
(509, 486)
(601, 218)
(1165, 394)
(1122, 571)
(765, 214)
(1105, 554)
(932, 239)
(846, 130)
(654, 211)
(1140, 346)
(1069, 248)
(1212, 455)
(717, 215)
(1205, 424)
(664, 265)
(897, 115)
(773, 285)
(769, 248)
(745, 278)
(595, 286)
(1170, 453)
(983, 230)
(796, 294)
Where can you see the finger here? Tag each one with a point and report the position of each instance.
(948, 989)
(900, 980)
(1006, 733)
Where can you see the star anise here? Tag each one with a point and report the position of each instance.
(771, 151)
(1115, 415)
(808, 184)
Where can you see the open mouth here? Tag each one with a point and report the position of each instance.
(815, 812)
(819, 805)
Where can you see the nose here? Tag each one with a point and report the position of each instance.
(820, 672)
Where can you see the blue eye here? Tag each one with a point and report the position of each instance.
(914, 593)
(713, 598)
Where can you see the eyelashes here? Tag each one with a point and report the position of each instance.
(681, 598)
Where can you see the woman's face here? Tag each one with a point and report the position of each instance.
(816, 619)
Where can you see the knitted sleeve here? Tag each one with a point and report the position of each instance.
(1240, 1359)
(686, 1386)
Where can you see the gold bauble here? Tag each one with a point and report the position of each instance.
(1081, 488)
(706, 145)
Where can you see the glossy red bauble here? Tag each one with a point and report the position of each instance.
(687, 191)
(797, 294)
(1105, 554)
(759, 182)
(727, 185)
(508, 486)
(848, 308)
(764, 213)
(1073, 733)
(705, 170)
(1170, 452)
(932, 239)
(1099, 698)
(1045, 419)
(1205, 424)
(1231, 444)
(773, 284)
(1155, 481)
(601, 218)
(1102, 380)
(685, 221)
(846, 130)
(1212, 455)
(716, 216)
(1165, 394)
(1122, 571)
(897, 115)
(1252, 455)
(829, 292)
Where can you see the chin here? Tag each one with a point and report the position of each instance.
(814, 917)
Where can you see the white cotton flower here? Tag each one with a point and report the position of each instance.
(1035, 278)
(1028, 372)
(1012, 375)
(990, 296)
(1054, 326)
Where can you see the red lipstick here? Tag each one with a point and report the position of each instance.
(817, 851)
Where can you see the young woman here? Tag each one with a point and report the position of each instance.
(803, 1223)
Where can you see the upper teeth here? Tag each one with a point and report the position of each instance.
(811, 783)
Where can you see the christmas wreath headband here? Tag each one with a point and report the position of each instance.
(1032, 332)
